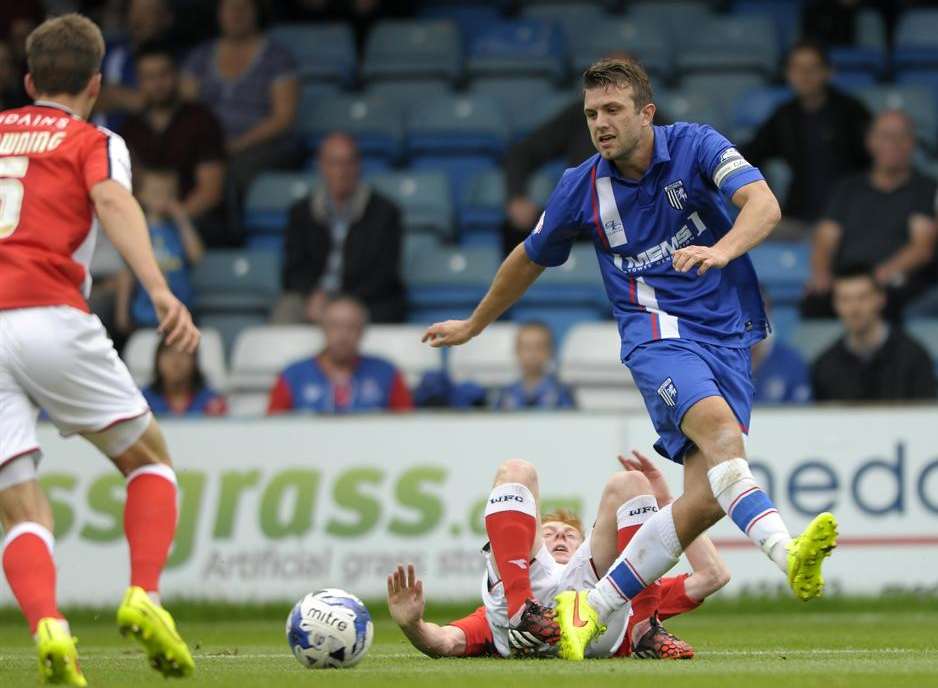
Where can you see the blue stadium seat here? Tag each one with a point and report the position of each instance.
(916, 40)
(230, 325)
(784, 319)
(312, 94)
(544, 180)
(693, 107)
(457, 125)
(405, 93)
(572, 18)
(870, 29)
(444, 277)
(424, 198)
(755, 106)
(270, 197)
(783, 269)
(523, 99)
(925, 331)
(518, 48)
(858, 60)
(722, 90)
(852, 81)
(645, 41)
(323, 52)
(236, 281)
(926, 78)
(470, 18)
(731, 43)
(813, 337)
(679, 20)
(917, 101)
(460, 170)
(398, 49)
(784, 15)
(376, 125)
(483, 206)
(577, 282)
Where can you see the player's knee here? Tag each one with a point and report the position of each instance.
(625, 485)
(149, 449)
(516, 471)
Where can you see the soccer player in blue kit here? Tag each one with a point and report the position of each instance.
(686, 299)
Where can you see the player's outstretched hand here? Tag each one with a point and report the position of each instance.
(705, 257)
(176, 324)
(449, 333)
(641, 463)
(405, 596)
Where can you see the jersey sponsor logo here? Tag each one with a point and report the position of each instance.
(520, 563)
(663, 251)
(30, 120)
(25, 142)
(668, 392)
(677, 197)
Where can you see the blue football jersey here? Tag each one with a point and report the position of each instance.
(636, 227)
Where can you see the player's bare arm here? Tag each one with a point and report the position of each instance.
(759, 212)
(406, 604)
(124, 223)
(516, 274)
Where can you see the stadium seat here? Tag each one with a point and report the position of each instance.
(376, 124)
(260, 353)
(424, 198)
(444, 277)
(731, 43)
(813, 337)
(679, 20)
(572, 18)
(870, 29)
(405, 49)
(589, 362)
(230, 326)
(916, 40)
(140, 349)
(722, 90)
(232, 281)
(488, 360)
(754, 106)
(482, 208)
(645, 41)
(693, 107)
(518, 48)
(858, 60)
(269, 199)
(401, 345)
(925, 331)
(577, 282)
(323, 52)
(783, 269)
(470, 18)
(522, 99)
(542, 183)
(402, 94)
(784, 15)
(917, 101)
(459, 170)
(457, 125)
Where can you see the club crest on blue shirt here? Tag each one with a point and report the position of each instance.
(668, 392)
(677, 197)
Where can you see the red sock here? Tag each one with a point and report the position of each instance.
(150, 523)
(30, 571)
(630, 518)
(511, 526)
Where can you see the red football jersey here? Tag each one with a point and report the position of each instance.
(49, 161)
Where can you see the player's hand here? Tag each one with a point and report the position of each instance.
(449, 333)
(641, 463)
(176, 324)
(705, 257)
(405, 596)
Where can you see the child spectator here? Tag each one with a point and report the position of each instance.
(176, 244)
(538, 387)
(179, 387)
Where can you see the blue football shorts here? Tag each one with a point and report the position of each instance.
(674, 374)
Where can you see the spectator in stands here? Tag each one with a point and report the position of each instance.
(818, 133)
(873, 361)
(562, 137)
(885, 217)
(344, 237)
(11, 95)
(147, 21)
(176, 244)
(179, 388)
(340, 379)
(173, 134)
(250, 82)
(538, 387)
(17, 20)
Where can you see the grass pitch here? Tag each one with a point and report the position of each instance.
(834, 644)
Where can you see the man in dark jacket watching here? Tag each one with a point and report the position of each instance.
(342, 238)
(819, 133)
(874, 360)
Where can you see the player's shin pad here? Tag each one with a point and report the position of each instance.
(806, 554)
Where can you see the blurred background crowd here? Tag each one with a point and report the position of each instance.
(320, 178)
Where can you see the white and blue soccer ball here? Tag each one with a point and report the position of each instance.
(329, 629)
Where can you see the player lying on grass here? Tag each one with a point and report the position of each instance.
(539, 559)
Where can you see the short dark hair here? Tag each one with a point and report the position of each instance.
(620, 72)
(155, 49)
(814, 46)
(64, 53)
(538, 325)
(857, 271)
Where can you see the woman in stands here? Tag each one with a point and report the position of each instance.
(179, 387)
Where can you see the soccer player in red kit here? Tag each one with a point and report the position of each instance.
(60, 179)
(565, 557)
